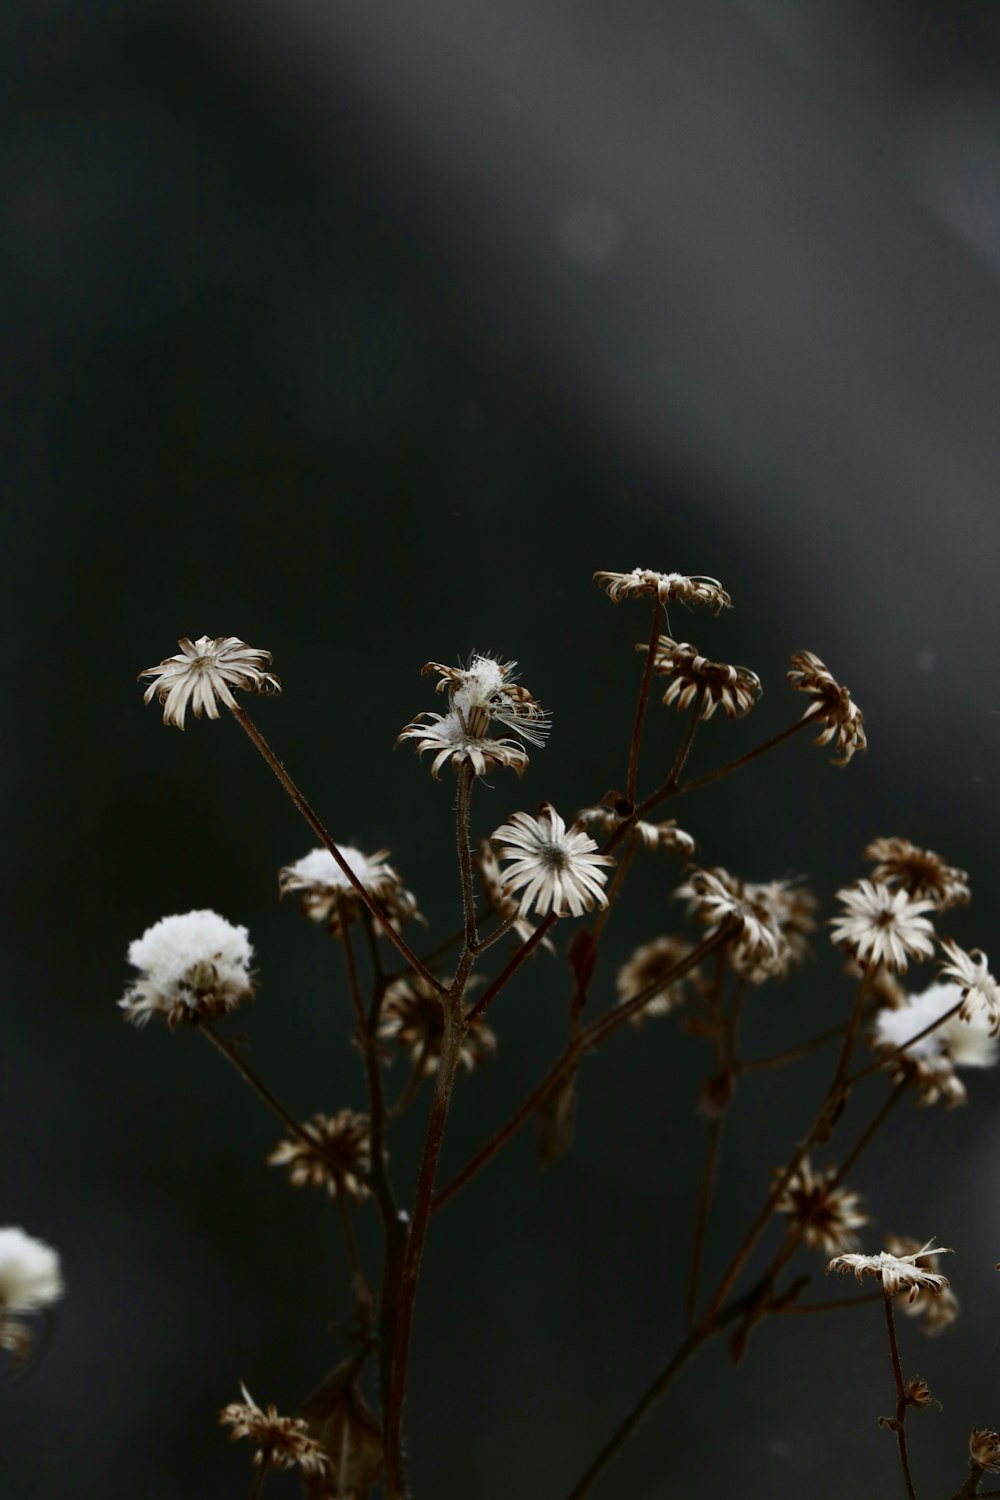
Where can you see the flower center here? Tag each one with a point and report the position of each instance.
(553, 856)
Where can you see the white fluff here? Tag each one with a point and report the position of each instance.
(30, 1277)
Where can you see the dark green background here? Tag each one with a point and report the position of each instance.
(366, 332)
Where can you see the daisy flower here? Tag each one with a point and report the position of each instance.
(734, 689)
(831, 706)
(921, 873)
(971, 972)
(895, 1271)
(555, 869)
(937, 1311)
(341, 1161)
(688, 589)
(827, 1215)
(882, 925)
(201, 675)
(282, 1441)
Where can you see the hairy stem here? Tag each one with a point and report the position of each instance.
(249, 1076)
(778, 1059)
(640, 708)
(525, 950)
(900, 1427)
(257, 739)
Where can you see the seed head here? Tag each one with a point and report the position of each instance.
(895, 1271)
(327, 892)
(831, 706)
(194, 966)
(734, 689)
(826, 1214)
(921, 873)
(282, 1441)
(340, 1160)
(686, 588)
(412, 1019)
(653, 964)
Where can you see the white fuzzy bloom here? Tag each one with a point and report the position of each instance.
(192, 965)
(30, 1277)
(966, 1044)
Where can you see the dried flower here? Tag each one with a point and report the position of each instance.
(194, 966)
(553, 867)
(918, 1394)
(831, 706)
(202, 674)
(688, 589)
(485, 692)
(30, 1275)
(921, 873)
(282, 1441)
(412, 1018)
(937, 1311)
(826, 1214)
(717, 684)
(447, 738)
(931, 1060)
(500, 902)
(881, 925)
(665, 835)
(971, 972)
(758, 949)
(326, 890)
(984, 1449)
(895, 1271)
(340, 1161)
(653, 964)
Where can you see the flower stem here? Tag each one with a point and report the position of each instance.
(525, 950)
(259, 1479)
(778, 1059)
(743, 760)
(900, 1425)
(594, 1034)
(257, 739)
(465, 779)
(887, 1057)
(640, 709)
(249, 1076)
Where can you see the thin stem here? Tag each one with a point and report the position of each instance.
(887, 1057)
(260, 1479)
(494, 937)
(900, 1427)
(349, 1239)
(666, 788)
(584, 1041)
(366, 1033)
(525, 950)
(451, 1045)
(834, 1096)
(778, 1059)
(798, 1309)
(249, 1076)
(708, 1175)
(734, 765)
(640, 709)
(257, 739)
(465, 779)
(412, 1089)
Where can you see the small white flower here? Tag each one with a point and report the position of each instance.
(201, 676)
(883, 925)
(194, 965)
(971, 972)
(30, 1277)
(447, 738)
(553, 868)
(895, 1271)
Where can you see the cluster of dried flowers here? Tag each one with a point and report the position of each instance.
(531, 872)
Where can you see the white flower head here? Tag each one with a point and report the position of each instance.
(30, 1275)
(487, 691)
(553, 867)
(192, 966)
(895, 1271)
(971, 972)
(883, 925)
(201, 675)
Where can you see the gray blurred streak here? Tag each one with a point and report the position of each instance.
(755, 243)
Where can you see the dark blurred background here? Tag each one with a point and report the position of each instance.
(366, 331)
